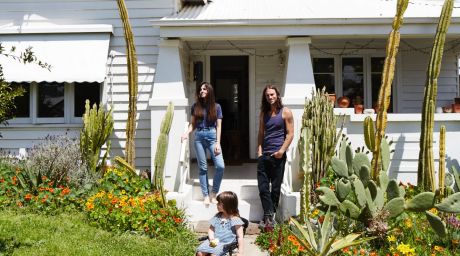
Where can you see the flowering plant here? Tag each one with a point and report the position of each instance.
(125, 203)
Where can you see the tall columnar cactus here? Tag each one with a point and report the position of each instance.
(162, 149)
(442, 161)
(130, 147)
(425, 172)
(321, 121)
(97, 127)
(303, 147)
(370, 141)
(385, 88)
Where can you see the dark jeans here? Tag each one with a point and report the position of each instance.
(270, 170)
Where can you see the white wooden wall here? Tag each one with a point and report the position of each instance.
(74, 12)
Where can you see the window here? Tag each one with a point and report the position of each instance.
(323, 70)
(358, 78)
(51, 102)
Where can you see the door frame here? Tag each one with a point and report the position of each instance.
(252, 87)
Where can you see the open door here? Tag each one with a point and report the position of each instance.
(230, 78)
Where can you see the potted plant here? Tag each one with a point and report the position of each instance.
(343, 102)
(331, 97)
(358, 105)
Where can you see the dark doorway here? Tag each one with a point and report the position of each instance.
(230, 78)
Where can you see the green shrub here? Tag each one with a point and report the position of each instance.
(124, 203)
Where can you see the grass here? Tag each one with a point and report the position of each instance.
(70, 234)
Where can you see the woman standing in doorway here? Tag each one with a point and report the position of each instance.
(206, 118)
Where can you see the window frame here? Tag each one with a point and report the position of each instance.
(69, 107)
(367, 75)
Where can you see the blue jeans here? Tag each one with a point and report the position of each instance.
(206, 139)
(270, 170)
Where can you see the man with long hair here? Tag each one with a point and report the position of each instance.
(276, 131)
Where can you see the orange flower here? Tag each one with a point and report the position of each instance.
(65, 191)
(114, 201)
(373, 253)
(28, 197)
(296, 243)
(2, 180)
(177, 220)
(44, 198)
(292, 238)
(51, 190)
(14, 180)
(346, 249)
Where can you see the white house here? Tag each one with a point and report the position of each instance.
(239, 46)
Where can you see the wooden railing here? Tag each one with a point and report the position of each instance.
(184, 162)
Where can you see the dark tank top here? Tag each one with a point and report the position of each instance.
(275, 132)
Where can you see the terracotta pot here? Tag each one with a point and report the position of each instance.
(457, 100)
(332, 97)
(359, 108)
(343, 102)
(456, 108)
(447, 109)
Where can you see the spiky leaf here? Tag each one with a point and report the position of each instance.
(328, 197)
(339, 167)
(395, 206)
(450, 204)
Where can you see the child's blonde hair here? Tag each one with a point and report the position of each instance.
(229, 201)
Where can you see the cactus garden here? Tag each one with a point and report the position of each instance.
(354, 207)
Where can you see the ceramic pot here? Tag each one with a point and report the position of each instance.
(447, 109)
(359, 108)
(331, 97)
(343, 102)
(456, 108)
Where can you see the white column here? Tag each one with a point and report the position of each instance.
(299, 74)
(169, 86)
(169, 74)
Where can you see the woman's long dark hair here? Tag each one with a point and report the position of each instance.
(265, 106)
(208, 103)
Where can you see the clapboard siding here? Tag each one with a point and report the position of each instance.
(76, 12)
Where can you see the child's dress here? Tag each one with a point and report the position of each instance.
(224, 230)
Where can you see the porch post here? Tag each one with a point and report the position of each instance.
(169, 86)
(299, 84)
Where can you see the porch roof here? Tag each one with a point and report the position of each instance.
(307, 17)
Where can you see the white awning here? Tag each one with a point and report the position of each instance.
(74, 57)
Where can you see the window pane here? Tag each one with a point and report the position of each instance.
(376, 79)
(323, 65)
(352, 79)
(84, 91)
(377, 64)
(22, 103)
(50, 100)
(325, 80)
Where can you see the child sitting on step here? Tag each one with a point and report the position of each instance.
(226, 227)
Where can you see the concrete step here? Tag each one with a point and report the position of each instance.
(243, 188)
(250, 209)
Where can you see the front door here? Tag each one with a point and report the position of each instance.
(230, 78)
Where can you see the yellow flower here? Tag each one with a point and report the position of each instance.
(123, 192)
(434, 210)
(408, 223)
(406, 249)
(438, 248)
(391, 238)
(314, 213)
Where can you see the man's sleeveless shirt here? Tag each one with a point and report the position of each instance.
(275, 132)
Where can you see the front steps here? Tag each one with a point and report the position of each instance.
(241, 179)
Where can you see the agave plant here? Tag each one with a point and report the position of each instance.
(322, 239)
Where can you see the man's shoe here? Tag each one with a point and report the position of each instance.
(213, 198)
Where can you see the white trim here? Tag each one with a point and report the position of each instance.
(57, 29)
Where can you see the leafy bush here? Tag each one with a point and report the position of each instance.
(59, 159)
(124, 203)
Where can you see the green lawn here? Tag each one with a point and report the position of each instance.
(70, 234)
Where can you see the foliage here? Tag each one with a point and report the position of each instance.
(123, 203)
(41, 196)
(70, 234)
(59, 159)
(132, 84)
(425, 172)
(7, 92)
(279, 242)
(97, 127)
